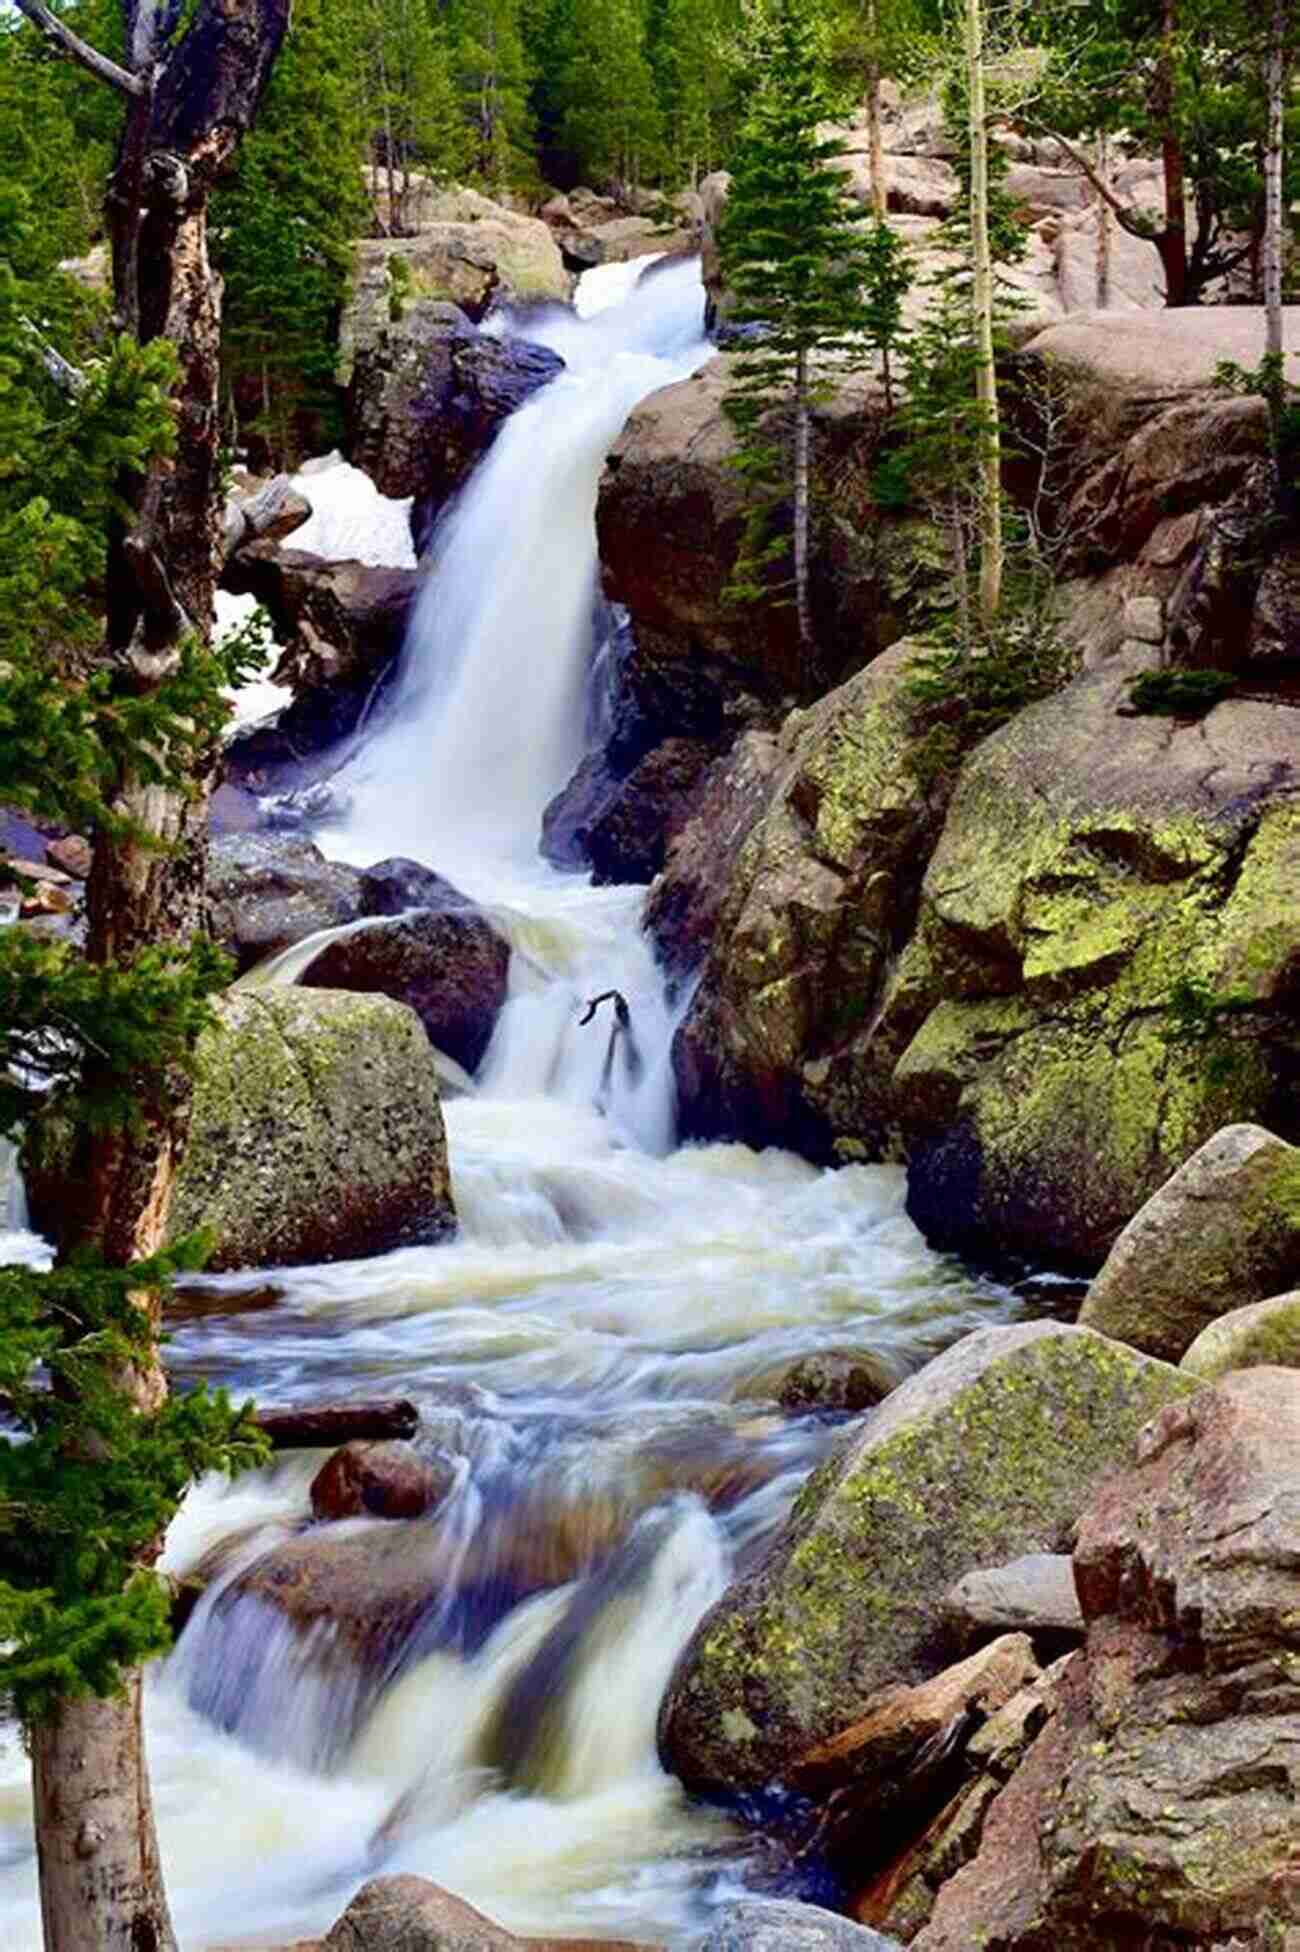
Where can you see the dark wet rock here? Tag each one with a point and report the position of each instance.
(577, 807)
(988, 1452)
(425, 405)
(1158, 1804)
(1034, 1594)
(683, 906)
(449, 965)
(342, 625)
(379, 1480)
(1223, 1231)
(267, 891)
(391, 887)
(826, 1379)
(627, 838)
(784, 1925)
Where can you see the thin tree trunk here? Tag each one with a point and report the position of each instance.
(986, 379)
(100, 1879)
(1275, 83)
(875, 137)
(802, 434)
(1103, 228)
(1172, 241)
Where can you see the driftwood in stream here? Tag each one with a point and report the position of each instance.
(309, 1426)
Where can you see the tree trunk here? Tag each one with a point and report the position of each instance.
(1275, 85)
(875, 138)
(1172, 240)
(188, 102)
(1104, 225)
(802, 441)
(986, 379)
(100, 1879)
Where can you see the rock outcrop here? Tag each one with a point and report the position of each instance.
(1224, 1231)
(316, 1132)
(1158, 1804)
(990, 1451)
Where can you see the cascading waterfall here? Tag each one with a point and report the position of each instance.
(593, 1355)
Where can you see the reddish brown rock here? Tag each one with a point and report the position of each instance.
(392, 1480)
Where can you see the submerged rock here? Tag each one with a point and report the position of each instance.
(316, 1133)
(412, 1914)
(268, 891)
(989, 1451)
(1225, 1230)
(379, 1480)
(448, 964)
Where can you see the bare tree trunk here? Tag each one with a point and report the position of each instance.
(1274, 346)
(802, 441)
(1103, 228)
(1172, 241)
(101, 1884)
(986, 378)
(189, 100)
(875, 137)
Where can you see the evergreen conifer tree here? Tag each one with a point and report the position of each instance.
(797, 258)
(492, 76)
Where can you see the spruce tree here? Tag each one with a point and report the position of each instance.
(797, 258)
(492, 75)
(610, 113)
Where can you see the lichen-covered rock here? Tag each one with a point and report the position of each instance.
(1099, 878)
(267, 891)
(316, 1132)
(448, 964)
(821, 893)
(1264, 1335)
(990, 1451)
(1224, 1231)
(1158, 1806)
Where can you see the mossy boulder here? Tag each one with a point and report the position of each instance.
(1103, 886)
(1224, 1231)
(988, 1452)
(819, 893)
(316, 1132)
(1265, 1335)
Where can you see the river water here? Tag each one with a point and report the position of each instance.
(594, 1353)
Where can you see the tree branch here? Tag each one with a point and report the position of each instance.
(53, 30)
(1128, 220)
(68, 378)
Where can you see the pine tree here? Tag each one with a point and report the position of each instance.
(690, 46)
(797, 259)
(610, 114)
(492, 77)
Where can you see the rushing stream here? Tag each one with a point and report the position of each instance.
(594, 1353)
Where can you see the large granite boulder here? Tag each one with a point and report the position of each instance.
(1158, 1805)
(316, 1133)
(785, 1925)
(1224, 1231)
(821, 890)
(267, 891)
(988, 1452)
(1101, 881)
(1264, 1335)
(447, 963)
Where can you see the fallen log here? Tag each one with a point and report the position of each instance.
(308, 1426)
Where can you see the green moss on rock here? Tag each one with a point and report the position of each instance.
(989, 1452)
